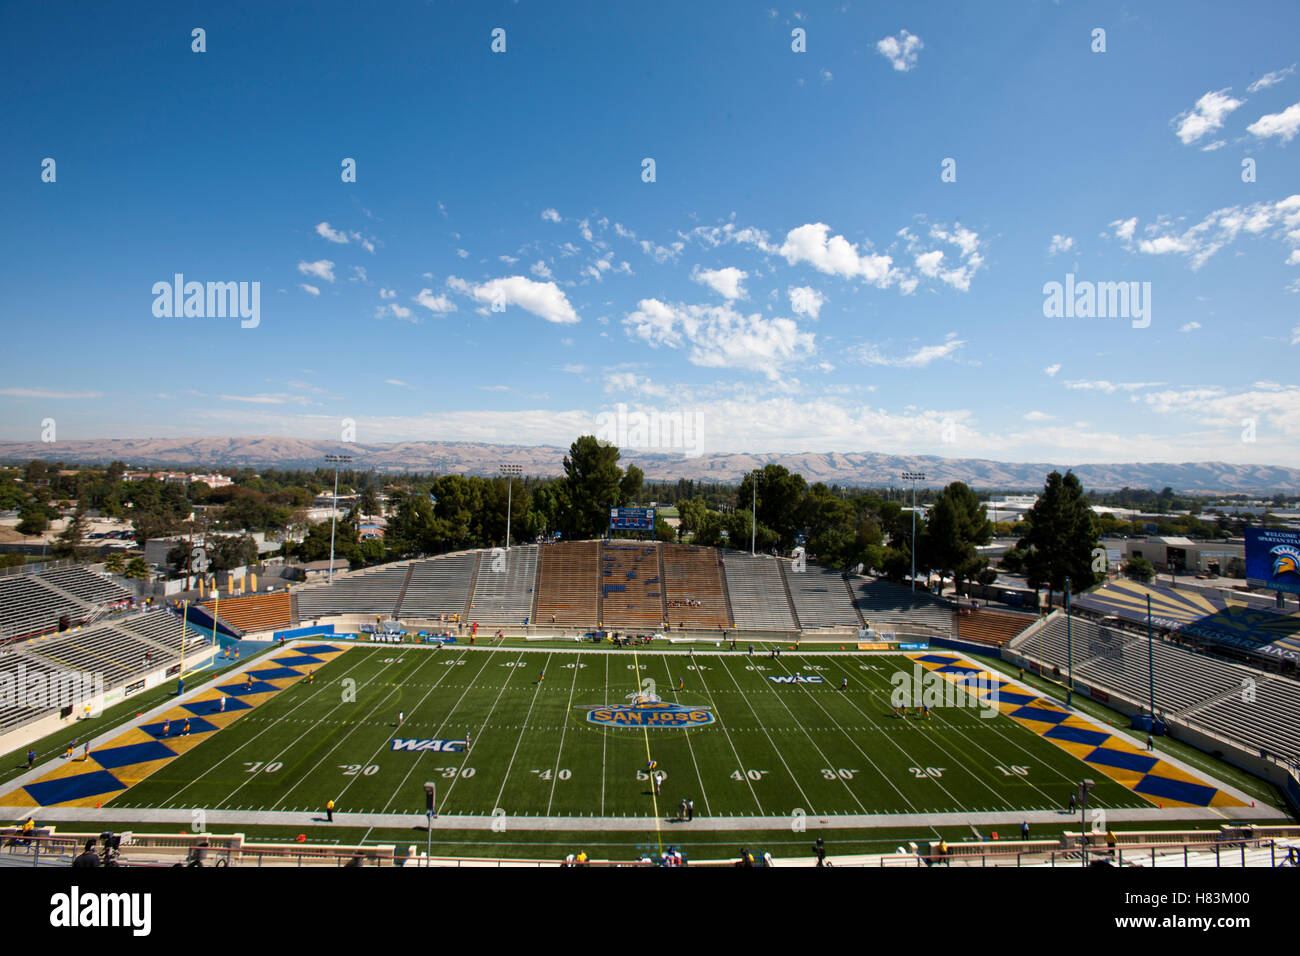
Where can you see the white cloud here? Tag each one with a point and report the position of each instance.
(543, 299)
(719, 336)
(550, 215)
(805, 300)
(396, 381)
(47, 393)
(1270, 79)
(1051, 370)
(438, 304)
(1218, 229)
(359, 274)
(309, 289)
(870, 354)
(835, 255)
(726, 282)
(540, 269)
(387, 294)
(325, 232)
(1205, 117)
(401, 311)
(1110, 388)
(462, 253)
(1283, 125)
(1060, 244)
(1190, 327)
(1038, 417)
(321, 269)
(901, 50)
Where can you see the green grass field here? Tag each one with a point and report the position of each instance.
(773, 748)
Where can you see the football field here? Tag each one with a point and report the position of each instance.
(766, 737)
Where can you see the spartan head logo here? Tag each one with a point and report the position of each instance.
(1286, 560)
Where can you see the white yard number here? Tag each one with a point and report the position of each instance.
(513, 664)
(755, 667)
(392, 660)
(449, 772)
(575, 666)
(697, 667)
(271, 767)
(751, 774)
(922, 772)
(1013, 771)
(645, 774)
(452, 663)
(840, 773)
(352, 769)
(635, 667)
(546, 774)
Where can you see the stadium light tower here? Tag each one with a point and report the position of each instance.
(914, 477)
(511, 472)
(753, 523)
(335, 460)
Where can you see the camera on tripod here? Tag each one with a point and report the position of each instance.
(112, 846)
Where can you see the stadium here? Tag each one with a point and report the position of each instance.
(636, 702)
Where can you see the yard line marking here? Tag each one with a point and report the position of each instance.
(957, 804)
(704, 793)
(378, 750)
(314, 724)
(505, 779)
(731, 743)
(438, 732)
(775, 749)
(847, 736)
(491, 711)
(654, 796)
(358, 661)
(555, 777)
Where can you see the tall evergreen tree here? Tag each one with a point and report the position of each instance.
(1063, 530)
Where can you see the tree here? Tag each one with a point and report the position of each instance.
(115, 563)
(779, 499)
(369, 500)
(692, 511)
(71, 540)
(32, 518)
(137, 569)
(1062, 533)
(591, 486)
(1139, 569)
(956, 525)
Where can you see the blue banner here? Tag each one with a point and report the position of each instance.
(1273, 559)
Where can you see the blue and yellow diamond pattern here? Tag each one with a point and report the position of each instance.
(1158, 781)
(136, 753)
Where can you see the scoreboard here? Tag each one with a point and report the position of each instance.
(632, 519)
(1273, 559)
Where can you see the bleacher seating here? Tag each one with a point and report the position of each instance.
(820, 596)
(568, 581)
(504, 597)
(27, 606)
(631, 585)
(439, 586)
(86, 585)
(255, 612)
(1204, 690)
(693, 586)
(991, 627)
(758, 600)
(370, 592)
(15, 713)
(887, 606)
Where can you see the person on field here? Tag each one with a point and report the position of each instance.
(329, 810)
(167, 728)
(31, 758)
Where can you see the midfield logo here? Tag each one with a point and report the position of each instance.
(648, 710)
(443, 746)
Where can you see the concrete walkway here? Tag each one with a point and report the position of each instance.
(1053, 820)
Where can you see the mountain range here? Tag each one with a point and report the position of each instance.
(480, 458)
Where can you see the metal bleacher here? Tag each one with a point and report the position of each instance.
(504, 587)
(757, 592)
(820, 596)
(370, 592)
(886, 606)
(631, 585)
(693, 589)
(568, 581)
(440, 585)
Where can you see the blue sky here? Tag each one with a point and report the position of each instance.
(881, 308)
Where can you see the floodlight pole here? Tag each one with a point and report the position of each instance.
(1151, 663)
(914, 477)
(1069, 648)
(336, 460)
(511, 472)
(753, 523)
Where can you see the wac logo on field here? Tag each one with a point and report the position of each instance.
(649, 710)
(444, 746)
